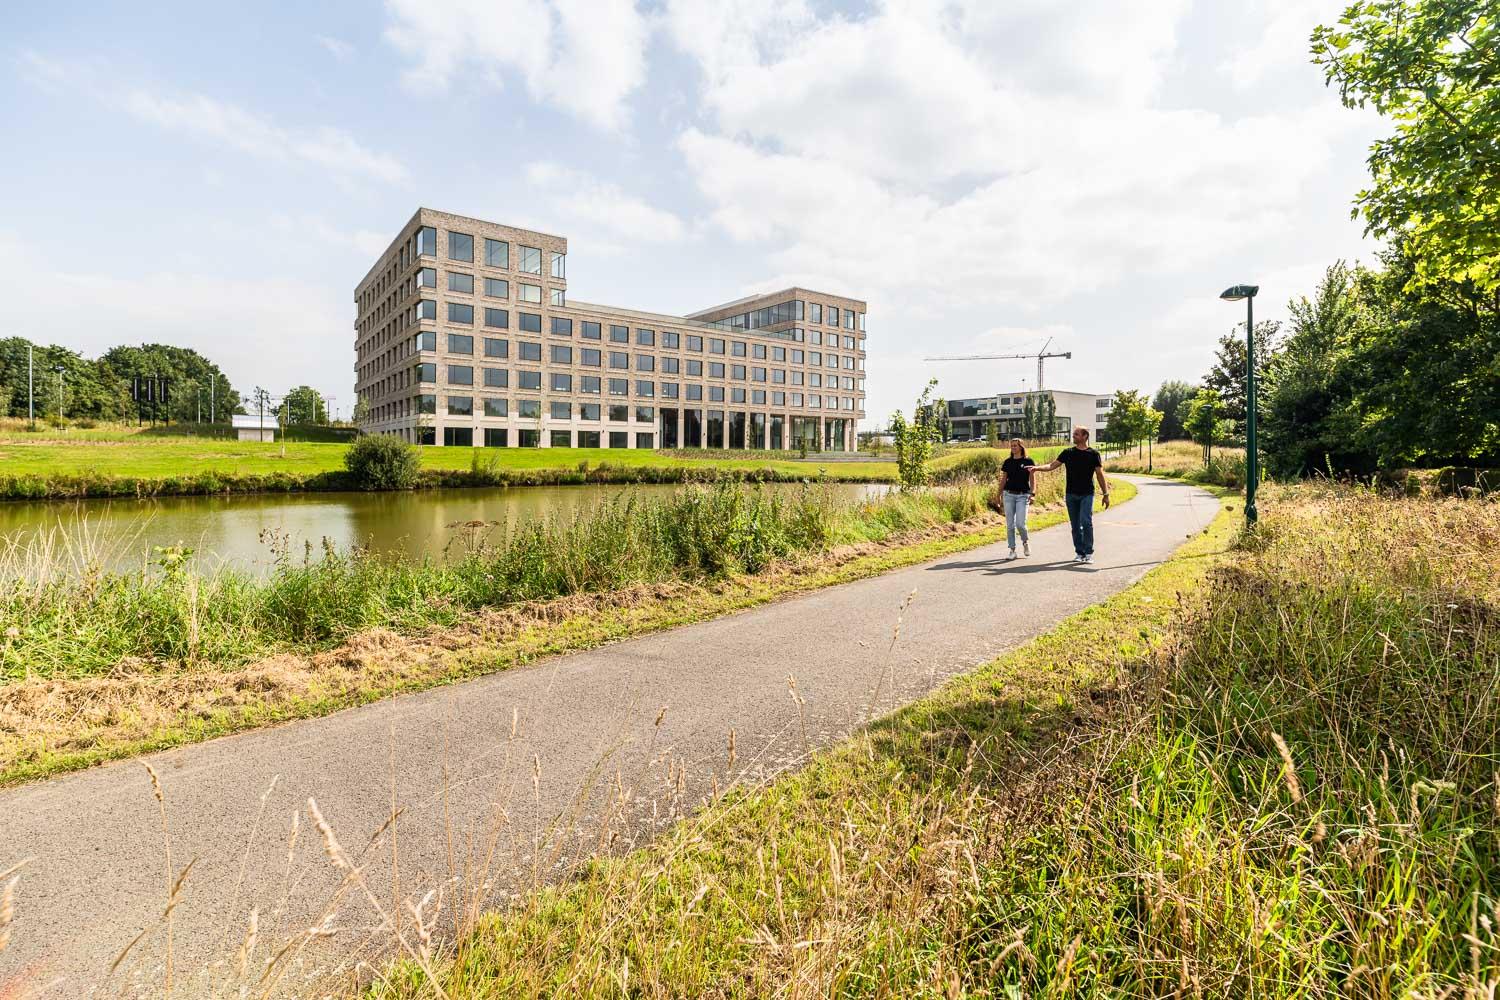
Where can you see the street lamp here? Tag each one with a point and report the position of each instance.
(1252, 459)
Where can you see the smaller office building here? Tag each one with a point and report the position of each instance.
(1038, 414)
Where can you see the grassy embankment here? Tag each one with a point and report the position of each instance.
(68, 465)
(1268, 769)
(106, 665)
(1183, 460)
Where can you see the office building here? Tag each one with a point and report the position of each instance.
(466, 334)
(969, 419)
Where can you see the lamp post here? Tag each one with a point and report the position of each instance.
(1252, 456)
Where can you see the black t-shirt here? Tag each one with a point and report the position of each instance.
(1080, 463)
(1017, 479)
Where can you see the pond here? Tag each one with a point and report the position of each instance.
(242, 530)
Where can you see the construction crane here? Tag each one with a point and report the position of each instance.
(1041, 358)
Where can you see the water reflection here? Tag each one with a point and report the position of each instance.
(122, 534)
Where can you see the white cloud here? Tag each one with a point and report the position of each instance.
(583, 56)
(220, 122)
(1283, 42)
(602, 208)
(367, 243)
(337, 47)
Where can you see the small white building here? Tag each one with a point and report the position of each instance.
(254, 426)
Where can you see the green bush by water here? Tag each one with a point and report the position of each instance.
(383, 462)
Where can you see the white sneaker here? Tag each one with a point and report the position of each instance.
(1012, 554)
(1025, 548)
(1088, 558)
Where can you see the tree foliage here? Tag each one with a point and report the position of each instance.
(915, 438)
(1169, 399)
(1433, 68)
(1204, 420)
(383, 462)
(100, 388)
(303, 405)
(1227, 376)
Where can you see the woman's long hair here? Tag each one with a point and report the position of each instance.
(1017, 443)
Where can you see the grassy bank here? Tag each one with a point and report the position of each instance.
(50, 466)
(114, 664)
(1183, 460)
(1268, 769)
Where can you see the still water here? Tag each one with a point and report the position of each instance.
(242, 530)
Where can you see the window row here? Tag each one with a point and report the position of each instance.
(500, 437)
(496, 252)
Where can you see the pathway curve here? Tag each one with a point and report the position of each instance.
(489, 767)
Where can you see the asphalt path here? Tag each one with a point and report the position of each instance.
(507, 781)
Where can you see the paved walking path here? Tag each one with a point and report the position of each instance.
(504, 759)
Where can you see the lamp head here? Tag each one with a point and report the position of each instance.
(1236, 292)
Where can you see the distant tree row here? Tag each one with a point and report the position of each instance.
(66, 384)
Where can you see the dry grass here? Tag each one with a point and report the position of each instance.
(1183, 460)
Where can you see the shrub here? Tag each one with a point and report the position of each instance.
(382, 462)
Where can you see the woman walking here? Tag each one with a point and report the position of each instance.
(1016, 495)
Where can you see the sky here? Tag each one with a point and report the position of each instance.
(986, 174)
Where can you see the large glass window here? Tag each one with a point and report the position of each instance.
(619, 359)
(591, 356)
(531, 260)
(461, 247)
(619, 334)
(427, 309)
(427, 403)
(560, 410)
(460, 282)
(716, 394)
(529, 380)
(619, 387)
(494, 437)
(833, 316)
(645, 440)
(461, 406)
(694, 367)
(460, 343)
(758, 351)
(645, 363)
(778, 354)
(530, 322)
(815, 312)
(426, 340)
(527, 351)
(461, 312)
(693, 390)
(528, 438)
(669, 366)
(427, 241)
(460, 375)
(645, 414)
(496, 253)
(644, 388)
(669, 390)
(497, 378)
(559, 265)
(529, 409)
(562, 326)
(562, 439)
(588, 330)
(737, 348)
(562, 382)
(497, 319)
(757, 374)
(588, 439)
(529, 293)
(589, 384)
(716, 369)
(669, 340)
(562, 354)
(559, 296)
(427, 372)
(426, 277)
(737, 371)
(588, 411)
(619, 411)
(645, 338)
(715, 346)
(497, 288)
(619, 439)
(458, 437)
(848, 319)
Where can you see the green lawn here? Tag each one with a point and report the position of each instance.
(159, 457)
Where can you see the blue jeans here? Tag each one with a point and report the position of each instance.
(1015, 516)
(1081, 517)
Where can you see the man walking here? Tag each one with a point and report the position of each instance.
(1084, 467)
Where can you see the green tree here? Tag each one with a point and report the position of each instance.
(303, 405)
(915, 438)
(383, 462)
(1430, 66)
(1227, 376)
(1308, 420)
(1046, 415)
(1169, 399)
(1028, 419)
(193, 377)
(1205, 421)
(1128, 423)
(992, 434)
